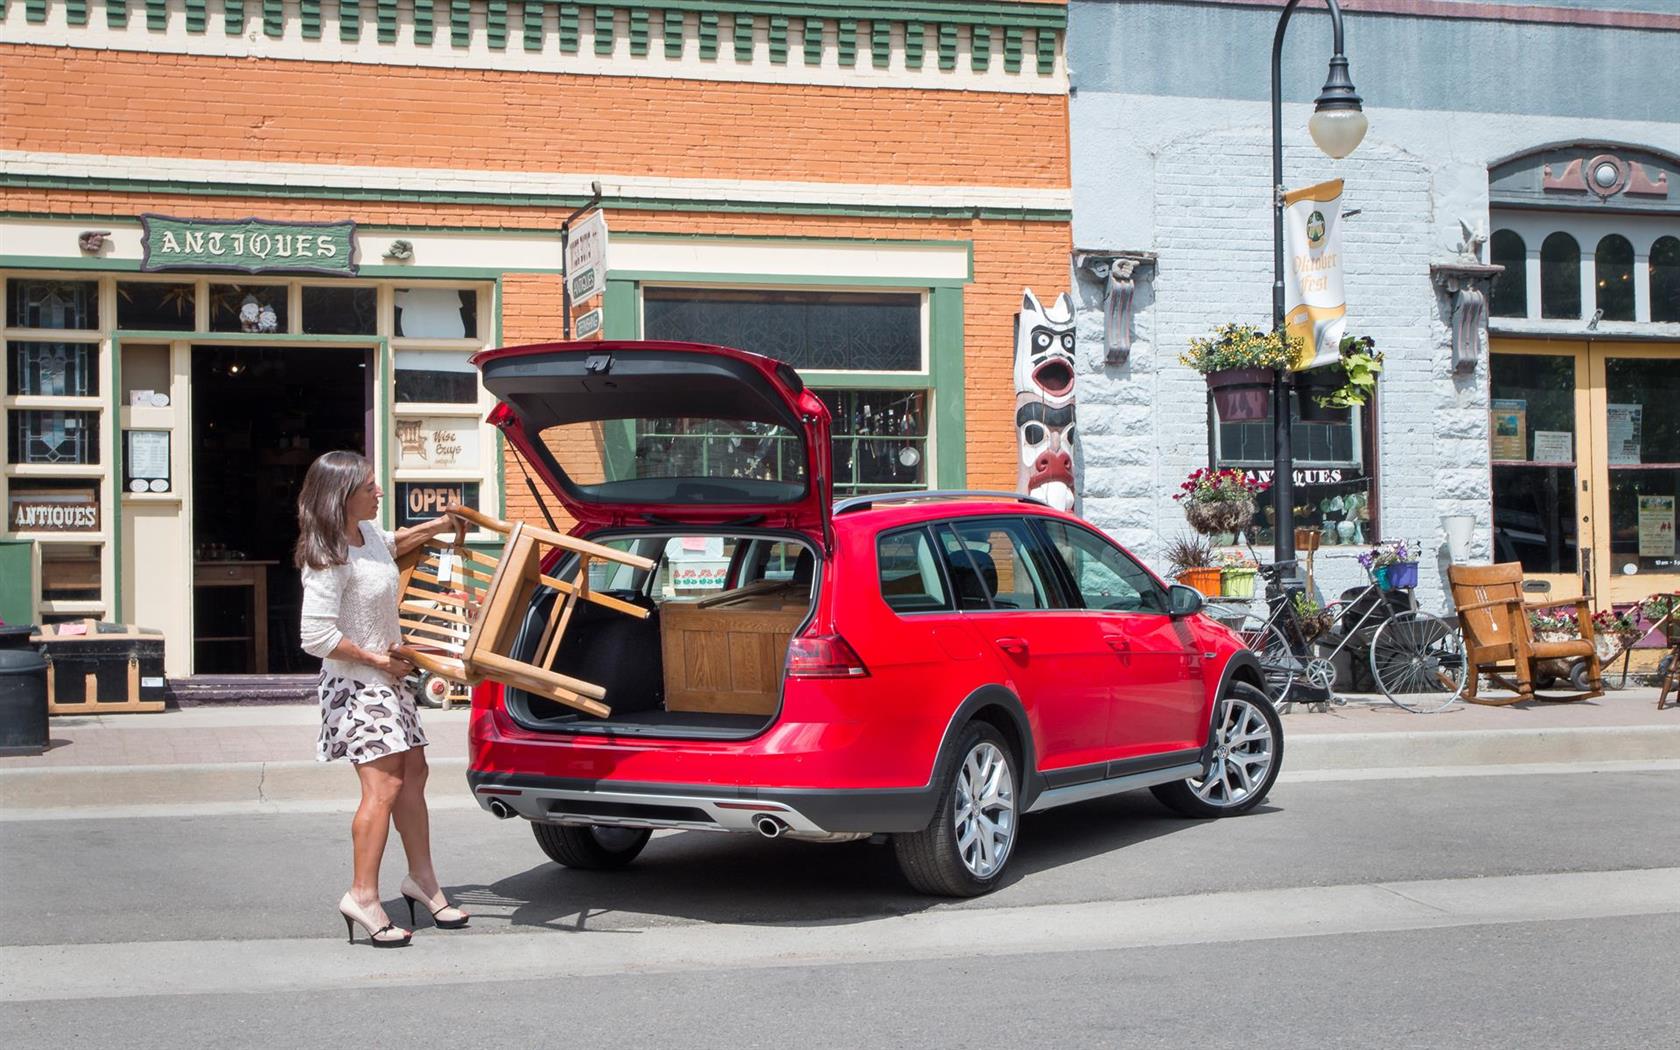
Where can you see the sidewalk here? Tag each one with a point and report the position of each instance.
(263, 756)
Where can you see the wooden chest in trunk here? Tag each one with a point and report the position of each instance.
(726, 654)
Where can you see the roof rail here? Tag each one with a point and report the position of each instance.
(852, 503)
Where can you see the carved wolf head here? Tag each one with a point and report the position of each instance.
(1044, 410)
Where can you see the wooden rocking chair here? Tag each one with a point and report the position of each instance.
(1499, 643)
(461, 609)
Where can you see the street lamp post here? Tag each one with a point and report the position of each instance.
(1337, 125)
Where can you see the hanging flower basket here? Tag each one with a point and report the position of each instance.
(1318, 383)
(1238, 581)
(1242, 395)
(1231, 516)
(1402, 574)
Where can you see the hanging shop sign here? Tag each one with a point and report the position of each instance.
(419, 501)
(437, 443)
(586, 258)
(588, 325)
(53, 510)
(247, 245)
(1313, 307)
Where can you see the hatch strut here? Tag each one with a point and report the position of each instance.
(532, 485)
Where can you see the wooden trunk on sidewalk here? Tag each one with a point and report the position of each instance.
(726, 654)
(108, 668)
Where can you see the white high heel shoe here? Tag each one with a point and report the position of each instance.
(412, 893)
(386, 936)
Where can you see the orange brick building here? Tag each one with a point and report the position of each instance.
(862, 189)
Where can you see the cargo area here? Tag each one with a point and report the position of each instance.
(706, 663)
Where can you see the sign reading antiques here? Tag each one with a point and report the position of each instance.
(54, 510)
(586, 258)
(247, 245)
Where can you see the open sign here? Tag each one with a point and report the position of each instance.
(419, 501)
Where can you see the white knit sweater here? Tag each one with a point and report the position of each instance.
(356, 600)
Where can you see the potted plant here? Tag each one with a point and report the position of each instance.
(1240, 363)
(1312, 619)
(1393, 565)
(1236, 574)
(1190, 560)
(1326, 394)
(1217, 501)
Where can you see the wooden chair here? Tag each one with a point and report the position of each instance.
(1670, 624)
(1498, 641)
(461, 619)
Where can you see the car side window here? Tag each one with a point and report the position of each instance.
(1107, 578)
(996, 563)
(909, 572)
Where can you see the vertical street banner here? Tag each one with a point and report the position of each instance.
(1313, 308)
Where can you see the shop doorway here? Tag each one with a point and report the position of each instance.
(260, 416)
(1586, 465)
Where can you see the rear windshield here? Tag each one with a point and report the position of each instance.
(690, 460)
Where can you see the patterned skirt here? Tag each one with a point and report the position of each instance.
(363, 721)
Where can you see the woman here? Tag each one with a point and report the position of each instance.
(367, 711)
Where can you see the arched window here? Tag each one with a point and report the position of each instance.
(1510, 289)
(1560, 277)
(1665, 279)
(1614, 266)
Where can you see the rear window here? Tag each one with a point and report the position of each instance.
(691, 459)
(909, 570)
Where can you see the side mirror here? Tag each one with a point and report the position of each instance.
(1183, 601)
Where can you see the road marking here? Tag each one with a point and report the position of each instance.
(162, 968)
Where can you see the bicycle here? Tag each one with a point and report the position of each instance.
(1416, 658)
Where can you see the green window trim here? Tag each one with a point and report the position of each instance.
(743, 37)
(673, 34)
(1013, 44)
(639, 31)
(532, 19)
(386, 13)
(813, 34)
(273, 17)
(116, 13)
(880, 42)
(846, 32)
(915, 44)
(157, 13)
(947, 46)
(425, 22)
(350, 20)
(779, 39)
(980, 48)
(309, 17)
(76, 13)
(708, 35)
(495, 24)
(460, 22)
(602, 26)
(1046, 41)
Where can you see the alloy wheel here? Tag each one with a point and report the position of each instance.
(985, 810)
(1242, 756)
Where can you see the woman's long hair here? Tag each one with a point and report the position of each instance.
(321, 525)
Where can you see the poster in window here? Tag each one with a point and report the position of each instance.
(1554, 446)
(1656, 526)
(1509, 425)
(1623, 424)
(437, 443)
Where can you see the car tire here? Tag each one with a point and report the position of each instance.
(963, 852)
(1248, 752)
(590, 848)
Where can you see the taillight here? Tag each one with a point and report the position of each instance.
(823, 656)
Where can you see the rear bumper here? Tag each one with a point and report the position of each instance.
(711, 807)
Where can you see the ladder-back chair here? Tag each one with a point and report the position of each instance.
(1499, 642)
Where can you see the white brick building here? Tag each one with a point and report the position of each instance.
(1468, 105)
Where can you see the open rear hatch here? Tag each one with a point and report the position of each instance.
(651, 433)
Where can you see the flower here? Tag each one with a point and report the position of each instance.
(1386, 554)
(1238, 345)
(1227, 485)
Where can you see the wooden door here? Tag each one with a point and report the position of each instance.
(1633, 472)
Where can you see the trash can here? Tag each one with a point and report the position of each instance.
(23, 694)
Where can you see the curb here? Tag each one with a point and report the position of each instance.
(278, 784)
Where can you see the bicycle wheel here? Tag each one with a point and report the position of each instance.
(1278, 663)
(1417, 659)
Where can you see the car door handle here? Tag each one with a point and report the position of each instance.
(1118, 642)
(1014, 646)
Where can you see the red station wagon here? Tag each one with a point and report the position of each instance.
(926, 666)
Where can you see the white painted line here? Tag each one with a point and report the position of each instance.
(163, 968)
(1512, 769)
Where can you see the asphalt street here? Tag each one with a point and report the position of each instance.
(1517, 910)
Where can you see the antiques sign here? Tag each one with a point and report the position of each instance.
(436, 444)
(247, 245)
(53, 511)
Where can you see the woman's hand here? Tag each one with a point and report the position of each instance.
(394, 664)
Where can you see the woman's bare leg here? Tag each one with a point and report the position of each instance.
(382, 784)
(413, 822)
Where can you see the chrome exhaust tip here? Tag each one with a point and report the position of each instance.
(501, 810)
(768, 826)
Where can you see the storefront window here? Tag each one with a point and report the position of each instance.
(53, 369)
(436, 313)
(1642, 432)
(70, 572)
(48, 303)
(1510, 288)
(1665, 279)
(249, 308)
(441, 377)
(1334, 466)
(880, 440)
(340, 311)
(812, 331)
(1560, 277)
(1613, 267)
(50, 436)
(1532, 437)
(152, 306)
